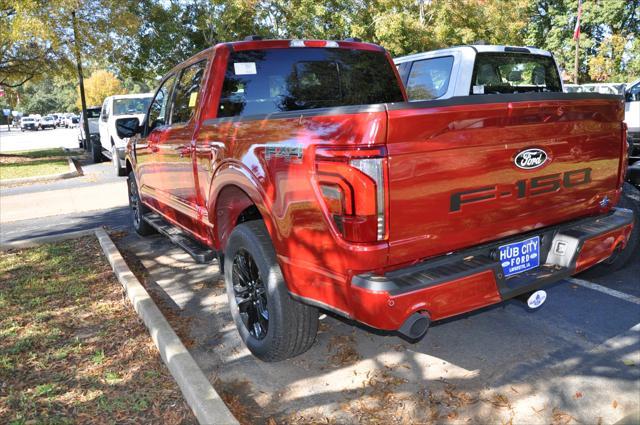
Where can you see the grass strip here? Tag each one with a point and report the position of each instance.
(71, 348)
(41, 162)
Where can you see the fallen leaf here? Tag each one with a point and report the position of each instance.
(578, 394)
(560, 417)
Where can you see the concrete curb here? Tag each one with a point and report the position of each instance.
(75, 170)
(203, 399)
(28, 243)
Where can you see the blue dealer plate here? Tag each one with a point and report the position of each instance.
(520, 256)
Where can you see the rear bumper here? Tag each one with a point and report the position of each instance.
(464, 281)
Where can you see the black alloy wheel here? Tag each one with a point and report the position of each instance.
(250, 294)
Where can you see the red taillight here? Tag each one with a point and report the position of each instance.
(624, 164)
(352, 184)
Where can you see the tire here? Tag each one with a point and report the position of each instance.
(291, 327)
(630, 199)
(138, 209)
(120, 170)
(96, 151)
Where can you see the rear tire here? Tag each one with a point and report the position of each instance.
(255, 285)
(630, 200)
(96, 151)
(138, 209)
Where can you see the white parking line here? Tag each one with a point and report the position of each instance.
(604, 290)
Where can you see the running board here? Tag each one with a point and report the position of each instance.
(200, 253)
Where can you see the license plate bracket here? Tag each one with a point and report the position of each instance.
(521, 256)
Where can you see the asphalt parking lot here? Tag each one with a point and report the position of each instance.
(578, 357)
(577, 360)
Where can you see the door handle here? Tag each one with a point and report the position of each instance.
(183, 150)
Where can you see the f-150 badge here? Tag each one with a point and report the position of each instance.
(288, 153)
(531, 158)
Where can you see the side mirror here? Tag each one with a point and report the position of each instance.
(127, 127)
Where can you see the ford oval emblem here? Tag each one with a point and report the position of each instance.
(531, 158)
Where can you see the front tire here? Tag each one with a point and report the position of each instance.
(138, 209)
(272, 325)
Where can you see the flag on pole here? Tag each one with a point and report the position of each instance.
(576, 31)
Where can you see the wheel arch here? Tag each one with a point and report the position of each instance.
(236, 197)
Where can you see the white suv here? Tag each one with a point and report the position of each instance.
(116, 107)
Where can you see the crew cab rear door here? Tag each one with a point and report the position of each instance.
(150, 178)
(174, 156)
(472, 169)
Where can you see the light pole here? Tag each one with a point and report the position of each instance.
(83, 101)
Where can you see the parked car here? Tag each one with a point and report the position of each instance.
(93, 144)
(489, 71)
(303, 168)
(71, 120)
(57, 119)
(114, 107)
(28, 123)
(48, 121)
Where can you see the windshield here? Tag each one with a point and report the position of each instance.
(134, 105)
(514, 73)
(277, 80)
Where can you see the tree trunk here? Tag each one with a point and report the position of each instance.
(83, 101)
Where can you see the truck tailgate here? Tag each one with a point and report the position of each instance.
(453, 178)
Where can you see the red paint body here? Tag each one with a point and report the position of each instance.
(203, 176)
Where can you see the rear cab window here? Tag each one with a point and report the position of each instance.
(496, 73)
(93, 113)
(260, 82)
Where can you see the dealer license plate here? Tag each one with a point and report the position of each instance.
(518, 257)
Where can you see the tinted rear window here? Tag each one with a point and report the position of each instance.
(514, 73)
(277, 80)
(93, 113)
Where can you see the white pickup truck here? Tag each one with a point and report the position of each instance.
(477, 70)
(632, 118)
(116, 107)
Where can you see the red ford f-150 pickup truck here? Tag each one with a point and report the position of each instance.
(303, 168)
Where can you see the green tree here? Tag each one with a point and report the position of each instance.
(99, 85)
(609, 32)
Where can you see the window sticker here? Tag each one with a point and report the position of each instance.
(245, 68)
(192, 99)
(478, 89)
